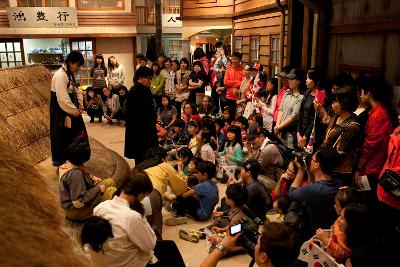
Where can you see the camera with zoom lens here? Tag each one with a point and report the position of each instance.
(249, 230)
(302, 157)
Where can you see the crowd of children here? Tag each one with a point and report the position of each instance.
(244, 135)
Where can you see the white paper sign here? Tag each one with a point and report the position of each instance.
(171, 21)
(42, 17)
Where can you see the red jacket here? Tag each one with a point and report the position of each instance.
(377, 133)
(278, 102)
(384, 196)
(233, 77)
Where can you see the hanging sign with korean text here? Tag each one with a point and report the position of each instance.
(42, 17)
(171, 21)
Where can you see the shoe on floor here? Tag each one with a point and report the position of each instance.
(189, 235)
(169, 208)
(176, 221)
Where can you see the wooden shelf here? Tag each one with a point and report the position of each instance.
(45, 53)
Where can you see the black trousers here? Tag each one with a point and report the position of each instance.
(95, 112)
(155, 219)
(188, 205)
(167, 254)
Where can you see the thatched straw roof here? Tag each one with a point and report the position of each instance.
(24, 110)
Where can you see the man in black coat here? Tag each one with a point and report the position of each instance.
(140, 133)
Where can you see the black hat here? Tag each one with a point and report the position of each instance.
(297, 74)
(251, 165)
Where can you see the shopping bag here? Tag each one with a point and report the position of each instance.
(220, 170)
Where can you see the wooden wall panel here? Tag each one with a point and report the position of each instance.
(212, 12)
(245, 49)
(106, 19)
(265, 22)
(251, 4)
(264, 40)
(4, 20)
(193, 4)
(262, 25)
(257, 31)
(221, 8)
(264, 49)
(264, 60)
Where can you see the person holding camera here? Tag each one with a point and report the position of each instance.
(320, 195)
(276, 246)
(236, 197)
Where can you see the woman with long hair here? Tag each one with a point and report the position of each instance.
(116, 75)
(182, 84)
(167, 113)
(243, 91)
(66, 107)
(157, 83)
(309, 124)
(169, 71)
(268, 105)
(98, 74)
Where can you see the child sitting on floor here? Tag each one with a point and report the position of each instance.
(236, 197)
(80, 191)
(199, 201)
(279, 209)
(335, 243)
(184, 156)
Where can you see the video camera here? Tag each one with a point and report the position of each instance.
(249, 229)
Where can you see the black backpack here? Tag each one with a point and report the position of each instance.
(285, 152)
(296, 217)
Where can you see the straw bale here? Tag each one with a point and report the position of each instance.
(24, 110)
(31, 218)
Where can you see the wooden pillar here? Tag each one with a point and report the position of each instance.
(314, 41)
(306, 28)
